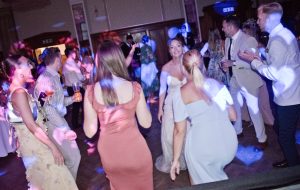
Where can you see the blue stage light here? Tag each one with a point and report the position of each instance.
(249, 154)
(2, 172)
(297, 136)
(225, 8)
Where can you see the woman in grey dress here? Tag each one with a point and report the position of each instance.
(211, 141)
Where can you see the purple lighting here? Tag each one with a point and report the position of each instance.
(100, 170)
(297, 136)
(248, 154)
(2, 172)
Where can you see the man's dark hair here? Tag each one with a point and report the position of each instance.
(50, 54)
(68, 51)
(129, 37)
(233, 19)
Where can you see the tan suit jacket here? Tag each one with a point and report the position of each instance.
(245, 76)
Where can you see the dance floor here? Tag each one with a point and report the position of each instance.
(91, 175)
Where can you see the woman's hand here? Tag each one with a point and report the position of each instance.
(175, 169)
(70, 135)
(58, 157)
(159, 115)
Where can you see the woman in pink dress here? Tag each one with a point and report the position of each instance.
(115, 101)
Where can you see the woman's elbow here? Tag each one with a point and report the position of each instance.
(146, 122)
(179, 130)
(89, 131)
(88, 134)
(232, 117)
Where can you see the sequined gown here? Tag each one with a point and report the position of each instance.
(214, 70)
(124, 153)
(41, 170)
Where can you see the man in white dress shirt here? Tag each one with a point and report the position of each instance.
(282, 66)
(72, 74)
(243, 81)
(55, 109)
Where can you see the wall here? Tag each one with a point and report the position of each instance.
(203, 3)
(55, 17)
(96, 15)
(118, 14)
(102, 15)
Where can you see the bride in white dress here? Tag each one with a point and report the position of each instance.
(171, 79)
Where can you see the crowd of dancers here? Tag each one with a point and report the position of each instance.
(199, 109)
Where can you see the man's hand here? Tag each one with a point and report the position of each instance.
(225, 64)
(248, 56)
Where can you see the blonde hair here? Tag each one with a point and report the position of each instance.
(190, 62)
(271, 8)
(110, 61)
(214, 37)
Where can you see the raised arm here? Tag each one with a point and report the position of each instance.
(90, 124)
(130, 55)
(20, 103)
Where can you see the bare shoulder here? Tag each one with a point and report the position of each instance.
(166, 66)
(20, 92)
(19, 97)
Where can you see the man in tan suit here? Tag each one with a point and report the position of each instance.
(244, 82)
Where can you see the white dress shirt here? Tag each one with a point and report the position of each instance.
(55, 108)
(72, 73)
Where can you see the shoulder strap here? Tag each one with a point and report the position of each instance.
(136, 90)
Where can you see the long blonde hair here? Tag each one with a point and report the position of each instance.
(214, 40)
(191, 64)
(110, 61)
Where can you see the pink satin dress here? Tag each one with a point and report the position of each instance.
(124, 152)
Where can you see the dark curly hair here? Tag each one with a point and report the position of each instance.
(8, 66)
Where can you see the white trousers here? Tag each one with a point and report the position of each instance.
(238, 93)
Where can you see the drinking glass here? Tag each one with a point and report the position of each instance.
(76, 89)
